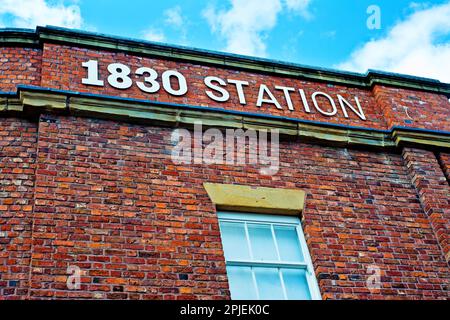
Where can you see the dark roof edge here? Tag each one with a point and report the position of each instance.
(19, 36)
(102, 41)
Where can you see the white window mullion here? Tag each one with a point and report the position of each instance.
(275, 241)
(310, 276)
(282, 284)
(255, 284)
(249, 245)
(248, 241)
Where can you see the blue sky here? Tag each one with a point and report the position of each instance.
(413, 38)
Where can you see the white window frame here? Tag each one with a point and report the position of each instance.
(275, 220)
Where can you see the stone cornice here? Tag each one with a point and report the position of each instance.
(219, 59)
(36, 100)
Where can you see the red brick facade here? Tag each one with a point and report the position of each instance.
(19, 66)
(105, 196)
(17, 174)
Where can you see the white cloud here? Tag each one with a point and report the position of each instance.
(413, 46)
(30, 13)
(154, 34)
(174, 17)
(299, 6)
(244, 26)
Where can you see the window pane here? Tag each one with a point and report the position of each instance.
(296, 284)
(269, 284)
(241, 283)
(234, 241)
(261, 240)
(288, 244)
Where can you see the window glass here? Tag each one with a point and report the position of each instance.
(269, 284)
(262, 242)
(234, 241)
(296, 284)
(288, 244)
(241, 283)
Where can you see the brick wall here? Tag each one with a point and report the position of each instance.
(19, 66)
(109, 200)
(444, 161)
(413, 108)
(434, 191)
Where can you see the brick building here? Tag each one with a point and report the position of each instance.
(359, 207)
